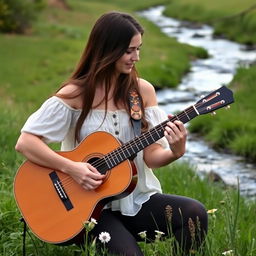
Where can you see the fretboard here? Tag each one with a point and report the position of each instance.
(131, 148)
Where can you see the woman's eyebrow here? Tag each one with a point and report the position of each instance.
(132, 47)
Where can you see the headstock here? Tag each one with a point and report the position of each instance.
(217, 99)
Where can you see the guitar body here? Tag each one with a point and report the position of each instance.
(54, 220)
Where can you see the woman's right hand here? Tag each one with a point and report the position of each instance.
(35, 150)
(86, 175)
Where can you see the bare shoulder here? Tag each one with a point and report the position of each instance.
(68, 90)
(68, 95)
(148, 93)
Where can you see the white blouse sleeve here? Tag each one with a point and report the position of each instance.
(155, 115)
(52, 120)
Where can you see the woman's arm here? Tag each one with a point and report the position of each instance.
(155, 155)
(35, 150)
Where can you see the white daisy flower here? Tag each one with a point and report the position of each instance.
(89, 225)
(104, 237)
(143, 234)
(159, 234)
(94, 221)
(212, 211)
(228, 253)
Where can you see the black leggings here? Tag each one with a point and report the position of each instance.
(185, 215)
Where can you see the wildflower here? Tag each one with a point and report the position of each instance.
(212, 211)
(89, 225)
(143, 234)
(168, 212)
(104, 237)
(228, 253)
(159, 234)
(192, 229)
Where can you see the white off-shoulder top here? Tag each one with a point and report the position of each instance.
(55, 121)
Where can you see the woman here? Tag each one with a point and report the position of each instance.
(96, 98)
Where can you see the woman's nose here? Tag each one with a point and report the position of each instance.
(136, 56)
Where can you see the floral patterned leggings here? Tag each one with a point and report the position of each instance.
(183, 217)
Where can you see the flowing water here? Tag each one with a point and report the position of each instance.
(206, 75)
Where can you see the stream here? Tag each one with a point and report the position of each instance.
(205, 76)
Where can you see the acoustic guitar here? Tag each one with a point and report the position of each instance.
(55, 207)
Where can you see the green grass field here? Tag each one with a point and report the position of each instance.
(233, 19)
(33, 66)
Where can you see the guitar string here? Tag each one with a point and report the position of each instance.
(69, 180)
(144, 136)
(147, 135)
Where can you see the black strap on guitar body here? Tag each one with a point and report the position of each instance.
(135, 111)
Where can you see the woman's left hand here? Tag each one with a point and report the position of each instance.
(176, 135)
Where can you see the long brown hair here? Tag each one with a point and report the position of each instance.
(108, 41)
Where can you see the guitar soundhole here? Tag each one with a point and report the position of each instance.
(94, 162)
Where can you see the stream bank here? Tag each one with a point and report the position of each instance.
(206, 75)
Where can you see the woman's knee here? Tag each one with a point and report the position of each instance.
(197, 214)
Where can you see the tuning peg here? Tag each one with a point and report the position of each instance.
(227, 107)
(213, 113)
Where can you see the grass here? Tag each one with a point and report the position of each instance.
(39, 62)
(231, 227)
(222, 15)
(34, 65)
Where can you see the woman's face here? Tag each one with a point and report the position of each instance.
(126, 62)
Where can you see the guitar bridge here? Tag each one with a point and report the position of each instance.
(60, 190)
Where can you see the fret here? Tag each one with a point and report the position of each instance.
(131, 151)
(122, 152)
(137, 145)
(159, 135)
(134, 152)
(119, 157)
(151, 136)
(146, 140)
(183, 117)
(110, 162)
(156, 136)
(128, 154)
(186, 114)
(113, 158)
(109, 167)
(141, 145)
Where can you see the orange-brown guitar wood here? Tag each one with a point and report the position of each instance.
(42, 208)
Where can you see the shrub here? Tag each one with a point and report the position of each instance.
(17, 15)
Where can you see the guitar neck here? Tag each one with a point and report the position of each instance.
(131, 148)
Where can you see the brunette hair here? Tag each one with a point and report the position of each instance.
(108, 41)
